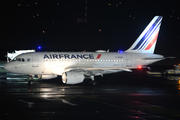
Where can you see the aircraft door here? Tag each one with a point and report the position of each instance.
(35, 61)
(129, 62)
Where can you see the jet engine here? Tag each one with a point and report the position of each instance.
(47, 76)
(72, 77)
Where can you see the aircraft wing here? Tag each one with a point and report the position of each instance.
(96, 71)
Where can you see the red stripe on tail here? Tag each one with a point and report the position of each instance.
(152, 42)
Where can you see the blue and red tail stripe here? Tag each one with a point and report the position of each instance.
(146, 42)
(147, 39)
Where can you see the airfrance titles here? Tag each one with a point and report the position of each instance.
(68, 56)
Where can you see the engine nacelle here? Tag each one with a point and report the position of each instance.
(72, 77)
(47, 76)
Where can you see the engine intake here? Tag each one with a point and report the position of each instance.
(72, 77)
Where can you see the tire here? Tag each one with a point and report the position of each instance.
(31, 82)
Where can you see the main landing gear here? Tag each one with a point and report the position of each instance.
(94, 83)
(31, 81)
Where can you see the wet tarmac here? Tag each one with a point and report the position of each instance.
(117, 96)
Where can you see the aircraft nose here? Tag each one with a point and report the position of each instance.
(7, 67)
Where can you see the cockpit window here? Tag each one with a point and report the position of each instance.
(14, 59)
(19, 59)
(23, 60)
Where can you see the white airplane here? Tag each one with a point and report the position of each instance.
(75, 66)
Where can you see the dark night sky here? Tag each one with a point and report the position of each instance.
(111, 24)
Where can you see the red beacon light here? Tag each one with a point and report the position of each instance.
(139, 67)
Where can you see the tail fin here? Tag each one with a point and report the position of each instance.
(146, 42)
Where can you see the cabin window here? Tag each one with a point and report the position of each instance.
(28, 59)
(23, 60)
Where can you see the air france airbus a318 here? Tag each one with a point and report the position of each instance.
(75, 66)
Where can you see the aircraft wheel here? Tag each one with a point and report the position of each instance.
(31, 82)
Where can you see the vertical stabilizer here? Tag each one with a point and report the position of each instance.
(146, 42)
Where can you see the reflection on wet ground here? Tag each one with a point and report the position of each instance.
(117, 96)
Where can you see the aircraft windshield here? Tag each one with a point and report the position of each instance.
(14, 59)
(19, 59)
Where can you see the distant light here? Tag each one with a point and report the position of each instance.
(109, 3)
(43, 31)
(39, 47)
(37, 14)
(19, 4)
(99, 30)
